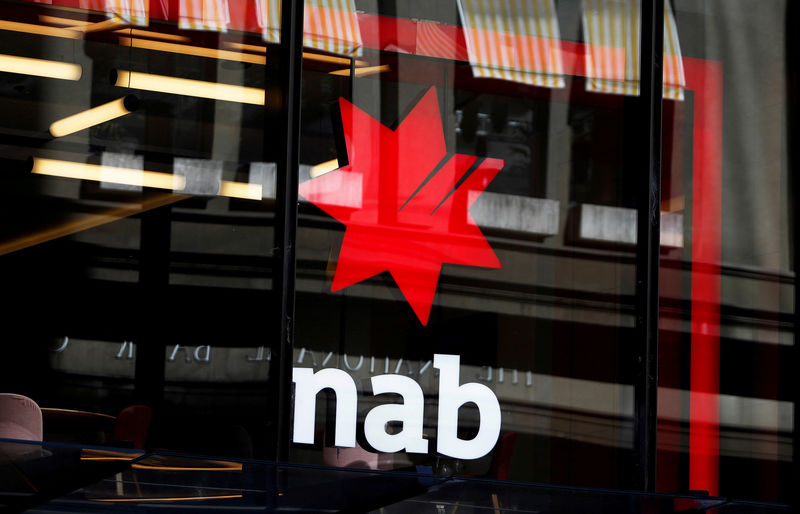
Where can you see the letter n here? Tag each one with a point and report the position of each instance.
(307, 385)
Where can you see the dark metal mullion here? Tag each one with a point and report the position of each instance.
(282, 133)
(648, 246)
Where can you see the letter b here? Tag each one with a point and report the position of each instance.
(451, 397)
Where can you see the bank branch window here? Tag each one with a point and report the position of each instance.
(465, 195)
(461, 276)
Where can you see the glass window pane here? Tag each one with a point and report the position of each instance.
(468, 190)
(137, 204)
(727, 295)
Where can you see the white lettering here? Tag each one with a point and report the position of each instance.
(307, 385)
(175, 353)
(358, 366)
(63, 345)
(259, 356)
(514, 376)
(488, 377)
(424, 368)
(410, 413)
(451, 397)
(303, 353)
(125, 345)
(400, 365)
(206, 357)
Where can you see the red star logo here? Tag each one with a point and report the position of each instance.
(405, 203)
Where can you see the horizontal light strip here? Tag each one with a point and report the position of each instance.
(151, 34)
(141, 499)
(360, 72)
(66, 22)
(40, 67)
(243, 190)
(221, 466)
(94, 116)
(192, 50)
(41, 30)
(245, 46)
(306, 55)
(154, 179)
(102, 25)
(189, 87)
(88, 221)
(323, 168)
(97, 173)
(331, 59)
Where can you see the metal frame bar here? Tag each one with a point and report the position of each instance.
(648, 254)
(284, 94)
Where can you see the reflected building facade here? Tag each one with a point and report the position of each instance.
(470, 184)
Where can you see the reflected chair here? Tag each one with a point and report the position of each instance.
(356, 457)
(501, 460)
(131, 427)
(20, 418)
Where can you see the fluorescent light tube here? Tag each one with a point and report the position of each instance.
(188, 87)
(97, 173)
(42, 30)
(40, 67)
(361, 72)
(200, 51)
(95, 116)
(151, 34)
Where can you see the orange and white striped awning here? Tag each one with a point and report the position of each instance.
(212, 15)
(132, 12)
(328, 25)
(516, 40)
(436, 40)
(612, 29)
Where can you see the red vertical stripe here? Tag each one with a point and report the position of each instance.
(705, 79)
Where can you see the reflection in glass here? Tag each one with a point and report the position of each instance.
(516, 40)
(612, 28)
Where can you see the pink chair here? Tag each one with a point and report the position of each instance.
(20, 418)
(132, 425)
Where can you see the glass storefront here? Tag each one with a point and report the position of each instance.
(461, 287)
(727, 295)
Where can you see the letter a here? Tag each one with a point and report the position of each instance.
(307, 385)
(451, 397)
(410, 413)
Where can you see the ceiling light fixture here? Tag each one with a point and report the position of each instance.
(98, 173)
(41, 30)
(361, 72)
(94, 116)
(199, 51)
(151, 34)
(188, 87)
(40, 67)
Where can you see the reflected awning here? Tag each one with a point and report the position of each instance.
(612, 29)
(211, 15)
(131, 12)
(516, 40)
(328, 25)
